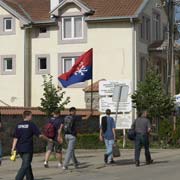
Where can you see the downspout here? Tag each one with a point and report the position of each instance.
(134, 61)
(27, 67)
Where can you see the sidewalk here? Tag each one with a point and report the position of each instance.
(92, 167)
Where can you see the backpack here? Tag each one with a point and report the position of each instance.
(49, 130)
(68, 124)
(104, 124)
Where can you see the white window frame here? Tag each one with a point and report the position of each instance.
(73, 60)
(72, 28)
(3, 67)
(5, 64)
(157, 35)
(4, 24)
(39, 63)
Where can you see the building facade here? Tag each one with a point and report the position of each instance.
(46, 37)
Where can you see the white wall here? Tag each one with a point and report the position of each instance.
(112, 44)
(12, 86)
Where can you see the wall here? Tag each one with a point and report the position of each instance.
(142, 47)
(12, 86)
(112, 43)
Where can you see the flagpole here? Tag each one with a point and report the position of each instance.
(92, 87)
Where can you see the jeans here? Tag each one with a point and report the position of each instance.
(140, 141)
(0, 150)
(109, 149)
(70, 154)
(26, 169)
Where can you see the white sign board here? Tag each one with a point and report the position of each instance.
(120, 93)
(177, 97)
(108, 103)
(124, 121)
(106, 88)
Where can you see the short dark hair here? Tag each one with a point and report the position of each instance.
(56, 111)
(72, 109)
(108, 111)
(26, 114)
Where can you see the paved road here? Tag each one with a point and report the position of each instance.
(166, 167)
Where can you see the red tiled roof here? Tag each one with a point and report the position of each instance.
(95, 87)
(111, 8)
(36, 111)
(38, 10)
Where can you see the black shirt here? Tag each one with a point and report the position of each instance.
(24, 132)
(76, 124)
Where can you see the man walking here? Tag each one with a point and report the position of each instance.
(23, 143)
(108, 134)
(70, 130)
(142, 128)
(56, 145)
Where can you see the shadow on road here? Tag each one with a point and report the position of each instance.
(124, 162)
(44, 178)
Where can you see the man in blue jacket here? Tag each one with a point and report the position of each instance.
(23, 144)
(108, 135)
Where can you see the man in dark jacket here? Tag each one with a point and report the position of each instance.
(142, 128)
(108, 135)
(23, 144)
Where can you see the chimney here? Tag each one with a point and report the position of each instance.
(54, 3)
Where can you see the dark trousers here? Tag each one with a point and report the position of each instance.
(26, 169)
(140, 141)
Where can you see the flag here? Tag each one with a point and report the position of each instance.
(80, 72)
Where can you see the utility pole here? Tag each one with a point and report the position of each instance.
(171, 61)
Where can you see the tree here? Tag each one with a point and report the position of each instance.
(151, 96)
(53, 97)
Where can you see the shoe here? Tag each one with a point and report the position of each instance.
(149, 162)
(64, 168)
(59, 165)
(137, 163)
(112, 161)
(106, 158)
(46, 165)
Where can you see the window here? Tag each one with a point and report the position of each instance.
(8, 24)
(8, 65)
(165, 32)
(156, 26)
(42, 64)
(142, 68)
(67, 63)
(72, 28)
(145, 28)
(43, 30)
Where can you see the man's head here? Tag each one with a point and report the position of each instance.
(27, 115)
(56, 113)
(144, 113)
(108, 112)
(72, 111)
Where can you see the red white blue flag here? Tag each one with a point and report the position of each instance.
(80, 72)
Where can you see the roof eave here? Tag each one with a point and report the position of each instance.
(23, 20)
(115, 18)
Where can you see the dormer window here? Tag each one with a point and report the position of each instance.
(72, 28)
